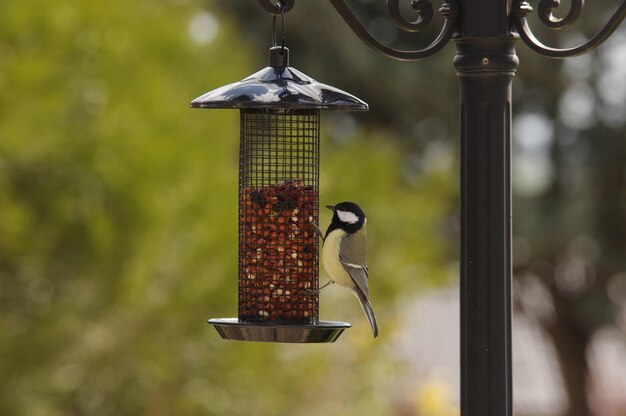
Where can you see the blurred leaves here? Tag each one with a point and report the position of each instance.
(118, 226)
(118, 205)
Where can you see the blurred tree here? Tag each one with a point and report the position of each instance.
(571, 230)
(118, 222)
(118, 226)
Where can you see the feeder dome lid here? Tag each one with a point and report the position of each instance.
(280, 86)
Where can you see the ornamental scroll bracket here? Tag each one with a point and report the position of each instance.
(424, 8)
(522, 9)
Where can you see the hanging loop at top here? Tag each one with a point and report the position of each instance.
(283, 28)
(281, 7)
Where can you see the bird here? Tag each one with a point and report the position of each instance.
(344, 254)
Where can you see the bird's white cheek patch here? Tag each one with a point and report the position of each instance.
(347, 217)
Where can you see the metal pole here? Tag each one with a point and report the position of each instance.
(485, 64)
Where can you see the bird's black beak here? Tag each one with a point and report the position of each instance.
(331, 207)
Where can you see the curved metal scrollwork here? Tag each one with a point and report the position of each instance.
(424, 8)
(547, 6)
(449, 10)
(522, 9)
(275, 8)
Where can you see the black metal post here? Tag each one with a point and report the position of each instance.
(485, 64)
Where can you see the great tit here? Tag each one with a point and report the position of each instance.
(344, 254)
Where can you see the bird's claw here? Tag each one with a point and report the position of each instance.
(319, 232)
(315, 292)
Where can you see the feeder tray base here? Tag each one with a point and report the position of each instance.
(323, 331)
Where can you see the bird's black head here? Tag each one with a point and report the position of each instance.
(347, 216)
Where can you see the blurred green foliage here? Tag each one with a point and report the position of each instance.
(118, 234)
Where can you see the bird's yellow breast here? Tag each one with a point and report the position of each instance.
(330, 259)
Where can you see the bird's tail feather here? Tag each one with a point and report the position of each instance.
(369, 312)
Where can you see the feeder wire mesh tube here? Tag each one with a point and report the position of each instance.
(278, 203)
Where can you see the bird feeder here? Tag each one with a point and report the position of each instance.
(279, 201)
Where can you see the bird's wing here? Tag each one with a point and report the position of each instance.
(353, 256)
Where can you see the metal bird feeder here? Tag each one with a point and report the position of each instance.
(279, 201)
